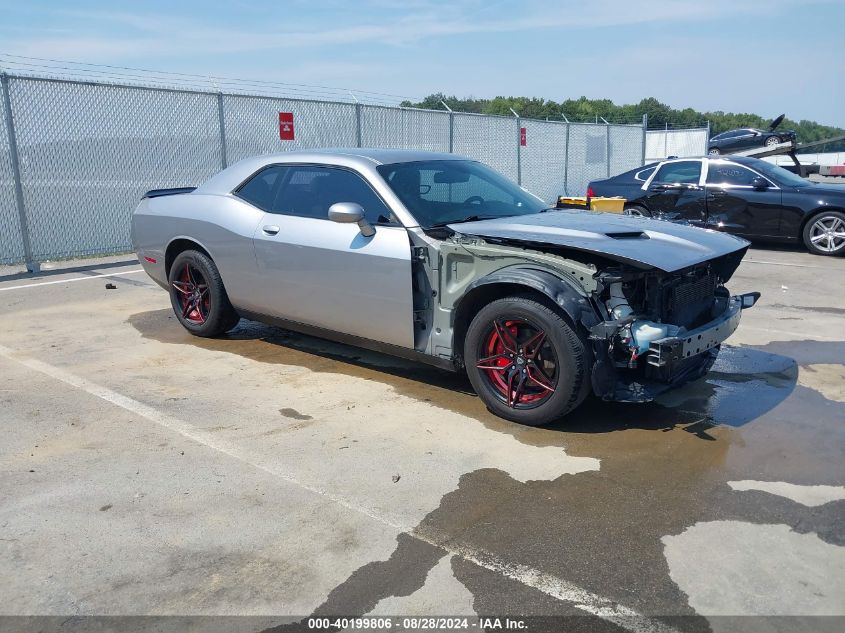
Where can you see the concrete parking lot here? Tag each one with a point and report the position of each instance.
(147, 472)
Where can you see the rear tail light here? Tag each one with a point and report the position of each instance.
(590, 192)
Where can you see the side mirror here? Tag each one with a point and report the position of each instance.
(349, 212)
(760, 184)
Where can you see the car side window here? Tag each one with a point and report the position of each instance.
(682, 172)
(643, 174)
(308, 192)
(261, 189)
(729, 174)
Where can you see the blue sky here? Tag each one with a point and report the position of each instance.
(761, 56)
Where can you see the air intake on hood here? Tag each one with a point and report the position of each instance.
(628, 235)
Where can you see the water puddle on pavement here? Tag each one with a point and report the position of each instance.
(665, 468)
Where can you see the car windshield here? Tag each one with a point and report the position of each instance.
(780, 175)
(440, 192)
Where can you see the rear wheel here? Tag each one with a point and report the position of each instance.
(714, 151)
(525, 361)
(198, 297)
(824, 234)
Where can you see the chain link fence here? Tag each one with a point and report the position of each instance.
(661, 144)
(76, 156)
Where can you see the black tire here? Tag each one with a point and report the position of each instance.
(714, 151)
(833, 247)
(560, 348)
(637, 210)
(773, 140)
(198, 297)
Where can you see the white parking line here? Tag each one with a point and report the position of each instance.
(550, 585)
(763, 261)
(72, 279)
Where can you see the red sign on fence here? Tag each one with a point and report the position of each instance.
(286, 126)
(523, 137)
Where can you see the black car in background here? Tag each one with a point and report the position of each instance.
(737, 194)
(749, 138)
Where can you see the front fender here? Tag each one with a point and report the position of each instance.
(570, 297)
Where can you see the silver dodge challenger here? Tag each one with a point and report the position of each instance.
(440, 259)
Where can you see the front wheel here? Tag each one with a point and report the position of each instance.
(825, 233)
(198, 297)
(773, 140)
(714, 151)
(525, 362)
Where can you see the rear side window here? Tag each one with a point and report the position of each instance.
(261, 189)
(309, 191)
(644, 174)
(686, 172)
(729, 174)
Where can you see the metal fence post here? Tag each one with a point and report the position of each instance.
(222, 123)
(518, 147)
(31, 265)
(357, 124)
(666, 140)
(607, 146)
(519, 151)
(566, 162)
(707, 139)
(645, 137)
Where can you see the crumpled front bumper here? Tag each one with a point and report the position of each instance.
(671, 350)
(671, 361)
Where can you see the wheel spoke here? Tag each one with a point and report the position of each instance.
(506, 338)
(188, 275)
(815, 239)
(540, 379)
(515, 393)
(182, 287)
(490, 362)
(186, 309)
(532, 346)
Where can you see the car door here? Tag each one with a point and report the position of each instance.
(328, 274)
(747, 139)
(674, 192)
(736, 205)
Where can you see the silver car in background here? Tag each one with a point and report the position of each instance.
(439, 258)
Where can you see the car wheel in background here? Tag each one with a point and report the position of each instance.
(524, 361)
(714, 151)
(773, 140)
(636, 211)
(824, 233)
(198, 297)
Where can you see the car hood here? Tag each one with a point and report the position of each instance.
(775, 122)
(643, 242)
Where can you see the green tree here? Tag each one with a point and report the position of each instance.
(659, 114)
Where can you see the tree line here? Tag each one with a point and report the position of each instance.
(659, 114)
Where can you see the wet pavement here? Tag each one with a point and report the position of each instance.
(146, 471)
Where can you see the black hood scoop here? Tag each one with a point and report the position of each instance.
(628, 235)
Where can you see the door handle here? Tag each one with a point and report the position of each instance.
(270, 229)
(718, 192)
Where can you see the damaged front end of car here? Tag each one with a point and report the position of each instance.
(649, 300)
(660, 329)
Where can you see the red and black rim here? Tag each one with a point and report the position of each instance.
(519, 363)
(192, 294)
